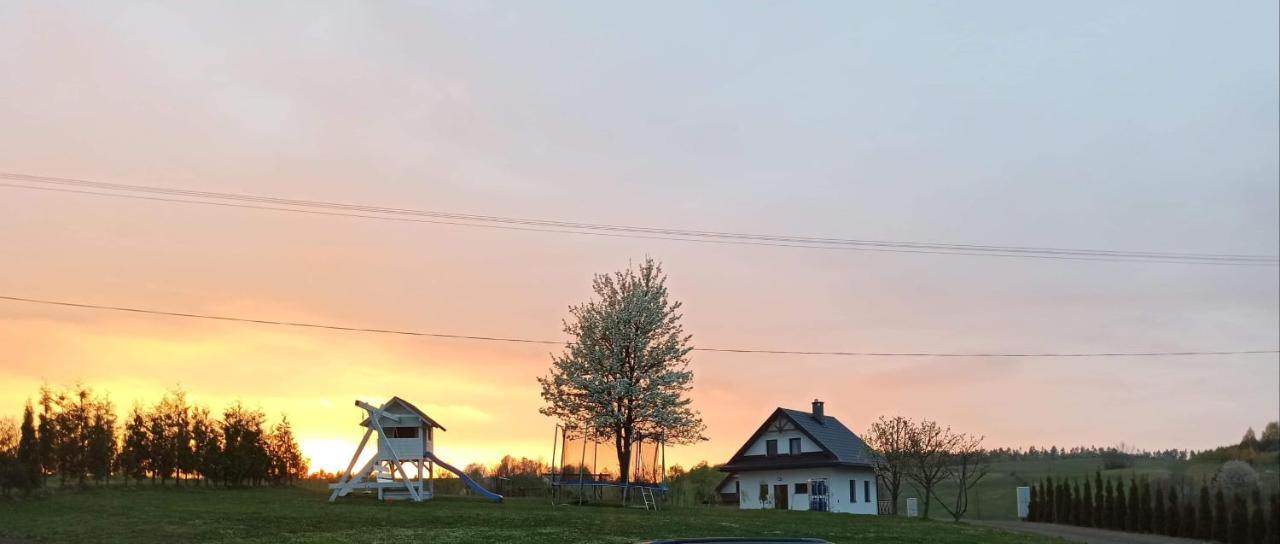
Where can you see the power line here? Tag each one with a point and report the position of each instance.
(567, 227)
(258, 321)
(599, 234)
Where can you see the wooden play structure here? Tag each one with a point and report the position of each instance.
(403, 467)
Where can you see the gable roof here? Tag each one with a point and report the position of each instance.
(834, 437)
(414, 409)
(840, 447)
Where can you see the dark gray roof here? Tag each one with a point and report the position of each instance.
(425, 418)
(835, 437)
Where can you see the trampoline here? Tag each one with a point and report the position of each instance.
(585, 465)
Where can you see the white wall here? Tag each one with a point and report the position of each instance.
(405, 448)
(837, 484)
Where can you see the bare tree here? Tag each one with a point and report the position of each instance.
(967, 465)
(929, 446)
(891, 440)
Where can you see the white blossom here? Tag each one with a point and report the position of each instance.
(625, 377)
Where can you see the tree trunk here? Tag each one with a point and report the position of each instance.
(894, 485)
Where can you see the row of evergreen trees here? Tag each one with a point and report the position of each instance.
(76, 436)
(1237, 518)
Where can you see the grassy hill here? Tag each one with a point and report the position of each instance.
(994, 498)
(301, 515)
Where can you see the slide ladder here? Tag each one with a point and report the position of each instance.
(650, 503)
(466, 479)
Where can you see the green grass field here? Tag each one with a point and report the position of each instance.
(301, 515)
(994, 497)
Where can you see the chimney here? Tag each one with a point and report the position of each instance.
(817, 410)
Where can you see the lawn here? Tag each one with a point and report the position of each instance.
(301, 515)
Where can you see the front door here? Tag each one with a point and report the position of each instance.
(780, 496)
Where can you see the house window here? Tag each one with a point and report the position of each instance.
(764, 492)
(403, 432)
(771, 447)
(866, 491)
(853, 491)
(802, 489)
(794, 445)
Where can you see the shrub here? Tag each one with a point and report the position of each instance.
(1236, 478)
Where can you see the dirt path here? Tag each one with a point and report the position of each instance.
(1083, 534)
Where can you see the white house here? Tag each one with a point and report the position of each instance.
(803, 461)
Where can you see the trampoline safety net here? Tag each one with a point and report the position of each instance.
(587, 461)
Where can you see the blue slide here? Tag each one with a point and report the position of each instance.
(466, 479)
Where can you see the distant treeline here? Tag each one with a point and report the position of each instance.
(76, 436)
(1251, 448)
(1054, 452)
(1233, 511)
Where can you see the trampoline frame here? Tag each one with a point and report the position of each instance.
(594, 481)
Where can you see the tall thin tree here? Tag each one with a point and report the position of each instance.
(28, 456)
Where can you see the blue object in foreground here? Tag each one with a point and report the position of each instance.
(465, 479)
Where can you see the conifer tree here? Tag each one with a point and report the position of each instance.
(100, 443)
(28, 455)
(1204, 515)
(205, 444)
(47, 434)
(1221, 516)
(1257, 520)
(1087, 512)
(1238, 526)
(1031, 503)
(1272, 534)
(1064, 502)
(1078, 515)
(1173, 514)
(287, 463)
(1122, 508)
(134, 455)
(1144, 506)
(1107, 504)
(1159, 510)
(1190, 520)
(1099, 510)
(1273, 523)
(244, 459)
(1051, 501)
(1133, 521)
(160, 458)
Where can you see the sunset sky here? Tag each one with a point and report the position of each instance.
(1108, 125)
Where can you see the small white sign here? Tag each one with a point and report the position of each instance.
(912, 510)
(1024, 501)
